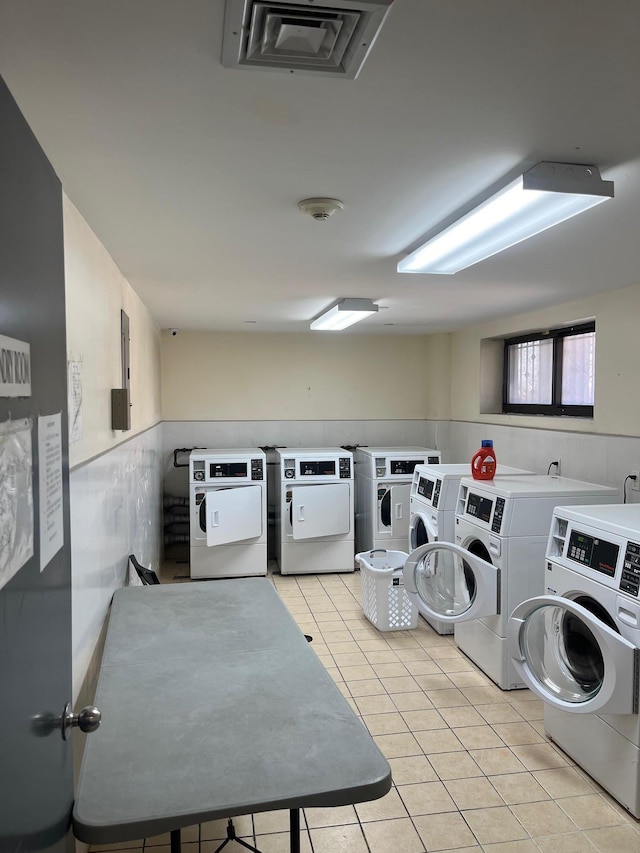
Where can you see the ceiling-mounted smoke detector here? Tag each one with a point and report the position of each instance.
(320, 208)
(328, 37)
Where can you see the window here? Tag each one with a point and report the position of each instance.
(551, 373)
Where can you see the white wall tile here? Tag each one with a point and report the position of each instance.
(115, 511)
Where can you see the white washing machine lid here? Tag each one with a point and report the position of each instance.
(571, 659)
(232, 514)
(393, 509)
(448, 583)
(320, 510)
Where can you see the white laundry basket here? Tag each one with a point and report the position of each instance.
(384, 599)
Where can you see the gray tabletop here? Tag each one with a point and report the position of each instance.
(213, 705)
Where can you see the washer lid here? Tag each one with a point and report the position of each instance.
(448, 583)
(571, 659)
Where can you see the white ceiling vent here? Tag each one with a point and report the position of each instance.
(330, 37)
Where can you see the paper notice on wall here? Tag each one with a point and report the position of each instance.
(16, 497)
(74, 385)
(15, 368)
(50, 481)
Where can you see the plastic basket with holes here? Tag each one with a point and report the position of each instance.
(385, 601)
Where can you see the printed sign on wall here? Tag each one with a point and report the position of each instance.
(51, 494)
(16, 498)
(74, 388)
(15, 368)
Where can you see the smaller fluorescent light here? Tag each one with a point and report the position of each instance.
(345, 313)
(545, 195)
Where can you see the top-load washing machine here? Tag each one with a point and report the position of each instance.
(432, 506)
(227, 513)
(383, 481)
(314, 510)
(578, 645)
(496, 563)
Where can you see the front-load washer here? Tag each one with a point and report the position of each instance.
(314, 510)
(383, 481)
(432, 505)
(228, 513)
(578, 645)
(504, 522)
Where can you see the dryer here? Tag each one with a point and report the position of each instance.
(577, 646)
(432, 505)
(227, 513)
(504, 523)
(314, 510)
(383, 478)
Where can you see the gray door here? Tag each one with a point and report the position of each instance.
(36, 780)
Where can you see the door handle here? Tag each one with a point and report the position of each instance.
(215, 518)
(88, 720)
(398, 512)
(301, 512)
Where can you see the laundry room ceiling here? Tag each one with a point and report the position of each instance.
(190, 173)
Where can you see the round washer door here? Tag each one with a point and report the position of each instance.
(571, 659)
(420, 531)
(448, 583)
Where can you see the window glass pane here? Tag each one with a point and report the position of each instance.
(578, 369)
(530, 372)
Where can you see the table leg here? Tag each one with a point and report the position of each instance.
(175, 841)
(294, 830)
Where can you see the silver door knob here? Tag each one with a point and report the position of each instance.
(88, 720)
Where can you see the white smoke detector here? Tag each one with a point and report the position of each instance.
(320, 208)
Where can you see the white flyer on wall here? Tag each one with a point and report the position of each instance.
(15, 368)
(74, 385)
(16, 497)
(50, 481)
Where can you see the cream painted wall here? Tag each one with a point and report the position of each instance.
(617, 405)
(96, 291)
(437, 369)
(315, 376)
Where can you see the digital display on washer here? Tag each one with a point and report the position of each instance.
(597, 554)
(227, 469)
(404, 466)
(425, 487)
(322, 468)
(479, 507)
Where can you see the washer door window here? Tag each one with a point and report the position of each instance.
(449, 583)
(571, 658)
(319, 511)
(420, 532)
(232, 514)
(393, 510)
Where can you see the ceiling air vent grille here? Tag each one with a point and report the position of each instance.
(329, 38)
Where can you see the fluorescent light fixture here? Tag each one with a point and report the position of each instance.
(543, 196)
(345, 313)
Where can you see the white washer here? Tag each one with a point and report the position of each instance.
(432, 505)
(578, 646)
(227, 513)
(383, 481)
(314, 510)
(504, 524)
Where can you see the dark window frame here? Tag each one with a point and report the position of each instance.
(555, 408)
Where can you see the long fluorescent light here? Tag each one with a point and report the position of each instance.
(545, 195)
(345, 313)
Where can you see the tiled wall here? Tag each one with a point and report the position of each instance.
(288, 433)
(115, 511)
(604, 459)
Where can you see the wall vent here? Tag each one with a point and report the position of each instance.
(329, 38)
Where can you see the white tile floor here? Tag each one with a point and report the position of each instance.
(472, 768)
